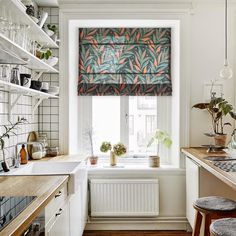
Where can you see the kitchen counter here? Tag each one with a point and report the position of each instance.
(43, 187)
(198, 154)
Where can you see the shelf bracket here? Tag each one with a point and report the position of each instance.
(12, 104)
(36, 104)
(38, 75)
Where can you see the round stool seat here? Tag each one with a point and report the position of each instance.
(224, 227)
(214, 203)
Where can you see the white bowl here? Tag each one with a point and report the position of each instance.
(36, 20)
(52, 61)
(54, 90)
(49, 32)
(231, 152)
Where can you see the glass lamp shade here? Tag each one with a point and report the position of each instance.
(226, 72)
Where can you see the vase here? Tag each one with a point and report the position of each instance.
(154, 161)
(220, 140)
(113, 159)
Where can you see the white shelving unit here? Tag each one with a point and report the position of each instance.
(12, 53)
(32, 62)
(6, 57)
(19, 15)
(19, 91)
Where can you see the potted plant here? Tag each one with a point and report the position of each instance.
(160, 137)
(8, 131)
(116, 150)
(92, 158)
(218, 109)
(54, 29)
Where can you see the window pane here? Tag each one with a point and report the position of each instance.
(105, 120)
(142, 123)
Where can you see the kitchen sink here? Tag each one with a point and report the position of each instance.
(218, 158)
(73, 169)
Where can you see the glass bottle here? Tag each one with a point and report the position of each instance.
(23, 155)
(232, 142)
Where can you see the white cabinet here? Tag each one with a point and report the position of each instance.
(192, 188)
(78, 209)
(57, 215)
(60, 225)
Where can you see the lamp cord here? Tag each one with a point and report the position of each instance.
(226, 31)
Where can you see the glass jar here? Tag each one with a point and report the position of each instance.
(37, 151)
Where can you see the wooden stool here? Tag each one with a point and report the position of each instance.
(212, 208)
(223, 227)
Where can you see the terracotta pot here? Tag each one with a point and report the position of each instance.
(93, 160)
(113, 159)
(154, 161)
(220, 140)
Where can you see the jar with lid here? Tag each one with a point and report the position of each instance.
(37, 151)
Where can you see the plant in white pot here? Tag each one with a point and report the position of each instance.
(160, 137)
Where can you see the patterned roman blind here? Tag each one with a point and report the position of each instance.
(125, 61)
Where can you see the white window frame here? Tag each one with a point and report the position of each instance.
(69, 141)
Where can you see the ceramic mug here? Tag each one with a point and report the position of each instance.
(25, 80)
(45, 87)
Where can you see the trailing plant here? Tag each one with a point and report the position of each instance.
(218, 108)
(45, 54)
(52, 28)
(160, 137)
(119, 149)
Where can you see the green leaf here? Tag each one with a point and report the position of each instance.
(201, 105)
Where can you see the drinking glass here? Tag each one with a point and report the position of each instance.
(5, 73)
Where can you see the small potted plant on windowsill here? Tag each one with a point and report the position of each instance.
(160, 137)
(116, 150)
(218, 108)
(92, 158)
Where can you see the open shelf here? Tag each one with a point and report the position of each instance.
(19, 16)
(32, 61)
(17, 89)
(9, 58)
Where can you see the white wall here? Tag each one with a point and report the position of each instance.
(206, 55)
(201, 51)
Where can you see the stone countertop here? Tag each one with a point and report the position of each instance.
(198, 155)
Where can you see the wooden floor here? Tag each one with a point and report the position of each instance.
(136, 233)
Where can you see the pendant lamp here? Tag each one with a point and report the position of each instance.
(226, 72)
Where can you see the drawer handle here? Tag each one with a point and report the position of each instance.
(59, 213)
(58, 195)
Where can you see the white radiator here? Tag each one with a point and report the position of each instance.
(124, 197)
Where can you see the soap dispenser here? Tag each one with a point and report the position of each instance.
(23, 155)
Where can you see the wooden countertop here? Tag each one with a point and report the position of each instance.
(43, 187)
(198, 154)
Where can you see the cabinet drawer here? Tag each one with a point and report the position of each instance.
(58, 200)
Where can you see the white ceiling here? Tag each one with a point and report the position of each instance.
(47, 3)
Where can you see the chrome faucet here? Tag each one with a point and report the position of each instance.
(16, 160)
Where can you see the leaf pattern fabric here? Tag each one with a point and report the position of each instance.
(125, 61)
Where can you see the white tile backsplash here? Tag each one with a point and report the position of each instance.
(49, 109)
(46, 118)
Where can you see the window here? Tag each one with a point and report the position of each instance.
(131, 120)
